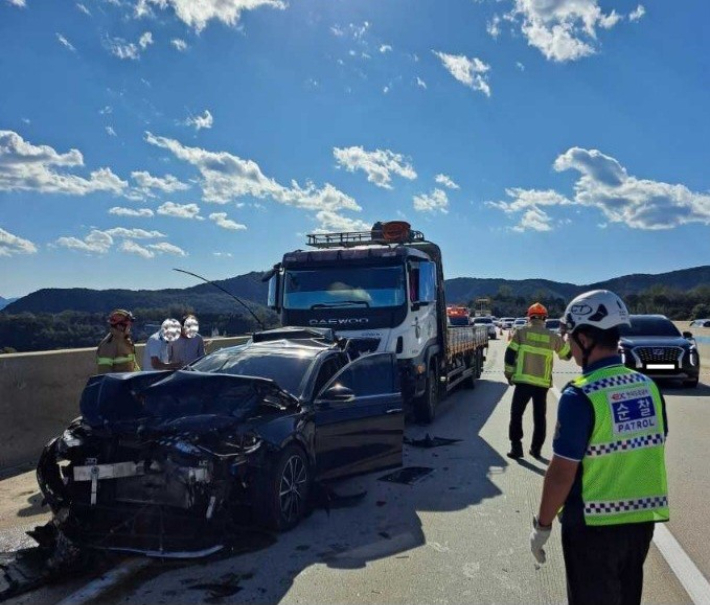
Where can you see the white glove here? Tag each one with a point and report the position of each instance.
(538, 538)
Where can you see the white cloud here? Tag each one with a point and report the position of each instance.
(198, 13)
(133, 233)
(436, 200)
(199, 122)
(167, 184)
(179, 44)
(165, 247)
(221, 220)
(385, 90)
(637, 14)
(563, 30)
(223, 254)
(520, 66)
(83, 9)
(18, 3)
(470, 72)
(122, 49)
(28, 167)
(11, 244)
(385, 48)
(379, 165)
(605, 184)
(106, 110)
(139, 212)
(187, 211)
(446, 181)
(421, 83)
(134, 248)
(26, 120)
(226, 177)
(97, 242)
(493, 27)
(332, 221)
(145, 40)
(110, 131)
(64, 42)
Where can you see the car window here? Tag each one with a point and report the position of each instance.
(649, 326)
(482, 320)
(328, 369)
(368, 375)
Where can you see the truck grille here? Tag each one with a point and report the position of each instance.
(658, 354)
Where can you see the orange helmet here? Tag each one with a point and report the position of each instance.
(120, 316)
(537, 310)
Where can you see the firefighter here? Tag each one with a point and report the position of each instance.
(528, 366)
(608, 467)
(116, 352)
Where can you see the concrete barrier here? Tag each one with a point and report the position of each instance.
(39, 396)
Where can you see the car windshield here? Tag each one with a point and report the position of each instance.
(649, 326)
(367, 287)
(552, 323)
(287, 368)
(483, 320)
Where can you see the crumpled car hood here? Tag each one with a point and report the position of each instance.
(186, 399)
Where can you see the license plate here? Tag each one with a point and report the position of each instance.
(660, 366)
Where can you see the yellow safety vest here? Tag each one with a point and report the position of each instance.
(534, 347)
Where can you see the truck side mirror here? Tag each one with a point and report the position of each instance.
(427, 283)
(274, 296)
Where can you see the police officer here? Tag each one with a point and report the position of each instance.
(528, 366)
(116, 352)
(608, 467)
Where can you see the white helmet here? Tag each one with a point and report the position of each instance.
(600, 309)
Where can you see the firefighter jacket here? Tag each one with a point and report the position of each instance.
(623, 469)
(529, 356)
(116, 354)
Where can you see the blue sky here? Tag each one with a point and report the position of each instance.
(565, 140)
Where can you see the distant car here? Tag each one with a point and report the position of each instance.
(164, 463)
(553, 324)
(488, 322)
(654, 346)
(507, 322)
(700, 323)
(520, 322)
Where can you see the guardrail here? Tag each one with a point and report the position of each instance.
(39, 396)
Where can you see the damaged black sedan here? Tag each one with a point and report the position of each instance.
(166, 463)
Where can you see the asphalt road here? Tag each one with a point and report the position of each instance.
(459, 535)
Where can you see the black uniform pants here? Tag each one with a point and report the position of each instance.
(522, 395)
(605, 564)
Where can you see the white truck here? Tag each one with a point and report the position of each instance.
(382, 289)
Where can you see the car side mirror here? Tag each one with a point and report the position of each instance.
(337, 393)
(687, 335)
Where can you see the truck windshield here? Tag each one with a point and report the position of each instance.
(374, 287)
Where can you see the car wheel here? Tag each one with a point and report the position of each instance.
(473, 361)
(282, 498)
(425, 406)
(692, 383)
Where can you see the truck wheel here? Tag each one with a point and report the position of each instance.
(473, 364)
(479, 364)
(425, 406)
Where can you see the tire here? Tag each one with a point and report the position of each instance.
(479, 356)
(692, 383)
(425, 406)
(473, 362)
(282, 496)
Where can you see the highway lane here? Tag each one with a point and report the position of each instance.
(458, 535)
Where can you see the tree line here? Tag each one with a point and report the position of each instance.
(677, 305)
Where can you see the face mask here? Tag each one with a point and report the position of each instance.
(170, 330)
(191, 327)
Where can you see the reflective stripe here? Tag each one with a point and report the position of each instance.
(621, 506)
(513, 346)
(533, 337)
(612, 381)
(625, 445)
(104, 361)
(117, 360)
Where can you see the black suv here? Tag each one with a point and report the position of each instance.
(654, 346)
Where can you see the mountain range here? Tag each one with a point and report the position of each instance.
(6, 301)
(205, 298)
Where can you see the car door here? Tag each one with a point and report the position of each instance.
(360, 430)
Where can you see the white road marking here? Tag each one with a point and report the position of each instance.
(690, 577)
